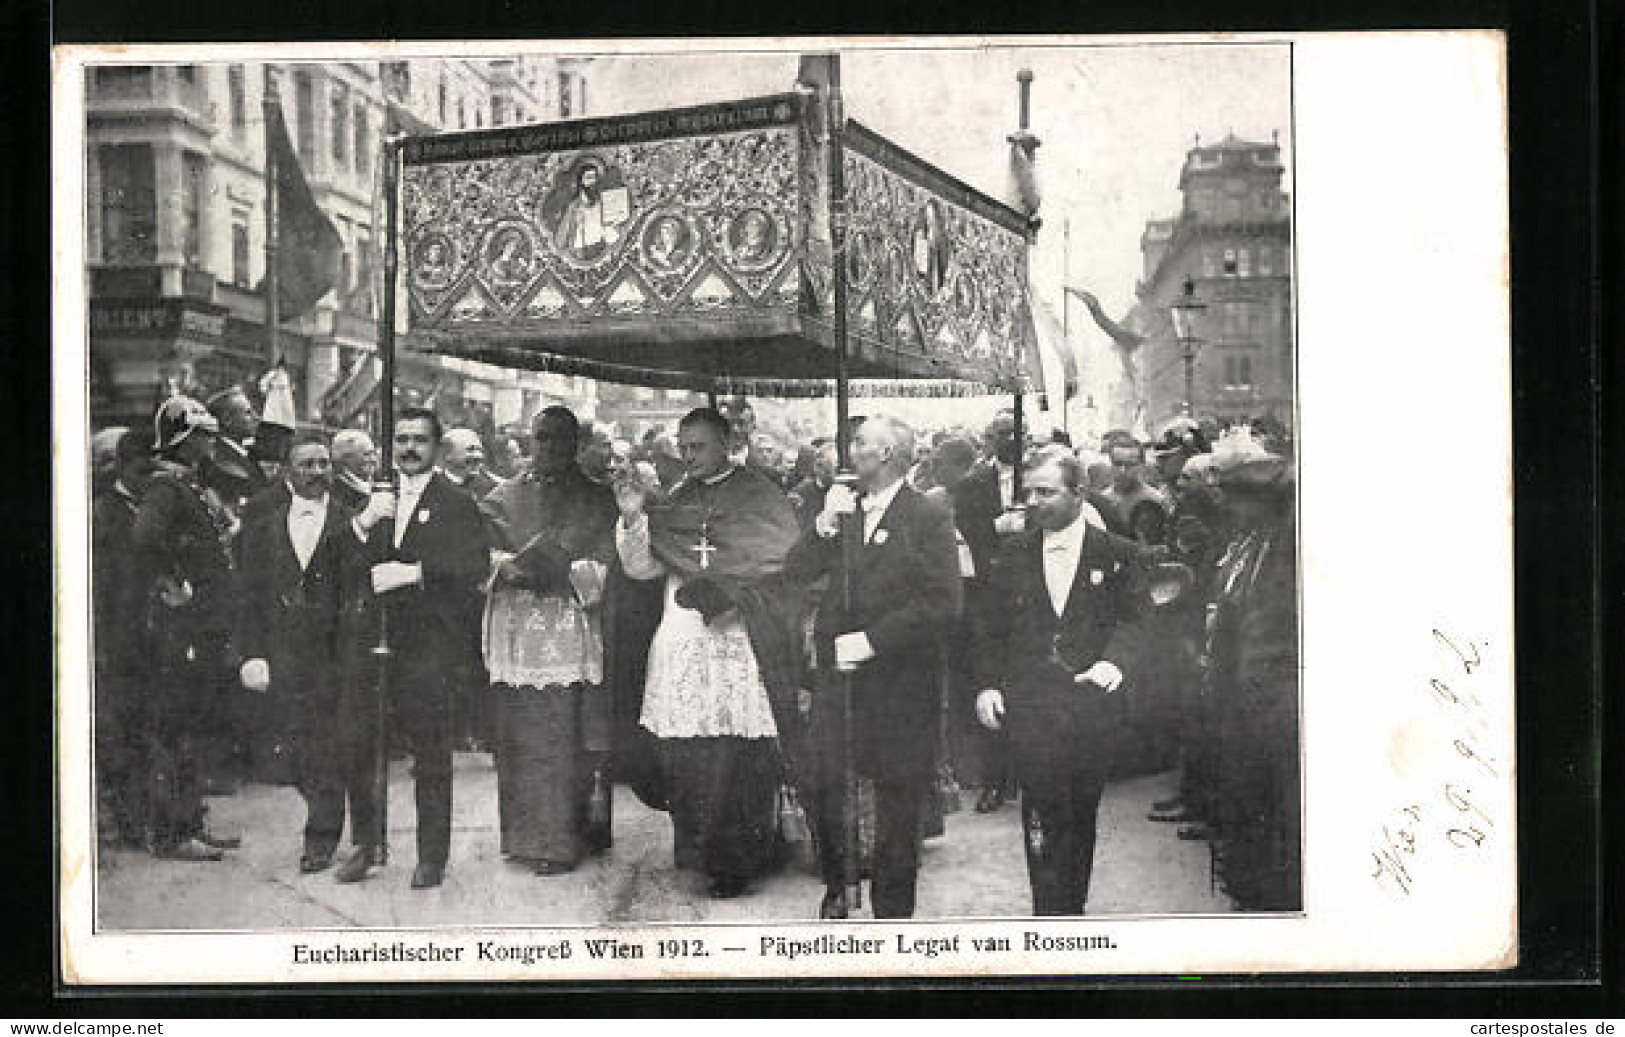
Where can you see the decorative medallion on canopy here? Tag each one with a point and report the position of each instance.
(691, 247)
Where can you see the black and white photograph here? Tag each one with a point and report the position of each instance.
(809, 508)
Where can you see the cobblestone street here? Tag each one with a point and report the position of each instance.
(975, 870)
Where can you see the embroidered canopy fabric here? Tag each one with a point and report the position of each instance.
(690, 248)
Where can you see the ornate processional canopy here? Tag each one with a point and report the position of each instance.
(691, 248)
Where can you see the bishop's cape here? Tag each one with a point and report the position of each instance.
(733, 534)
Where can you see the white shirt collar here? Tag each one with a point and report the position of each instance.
(304, 504)
(415, 484)
(455, 481)
(1071, 536)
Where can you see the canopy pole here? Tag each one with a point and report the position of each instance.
(386, 480)
(833, 122)
(1024, 140)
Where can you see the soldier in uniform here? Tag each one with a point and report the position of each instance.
(183, 561)
(121, 659)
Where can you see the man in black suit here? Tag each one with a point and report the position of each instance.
(423, 556)
(288, 632)
(355, 462)
(904, 594)
(982, 500)
(462, 461)
(1062, 601)
(234, 471)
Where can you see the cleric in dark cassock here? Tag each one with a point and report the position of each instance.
(724, 662)
(552, 531)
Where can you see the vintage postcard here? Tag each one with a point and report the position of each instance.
(473, 566)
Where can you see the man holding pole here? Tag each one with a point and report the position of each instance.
(422, 559)
(879, 625)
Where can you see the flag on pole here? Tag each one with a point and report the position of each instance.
(1023, 173)
(1053, 337)
(1033, 357)
(1124, 338)
(276, 385)
(278, 420)
(308, 247)
(352, 393)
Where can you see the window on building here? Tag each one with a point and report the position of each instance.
(304, 113)
(444, 99)
(565, 95)
(1238, 371)
(128, 203)
(1210, 263)
(194, 186)
(581, 95)
(1266, 261)
(123, 81)
(346, 259)
(498, 111)
(238, 88)
(363, 141)
(361, 301)
(462, 113)
(340, 107)
(1244, 264)
(240, 274)
(397, 77)
(1230, 262)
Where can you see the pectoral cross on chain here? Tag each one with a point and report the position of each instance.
(705, 549)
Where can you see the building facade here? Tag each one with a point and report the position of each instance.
(176, 227)
(1233, 241)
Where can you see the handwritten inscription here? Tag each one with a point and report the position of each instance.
(1447, 808)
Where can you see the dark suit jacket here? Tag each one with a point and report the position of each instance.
(1053, 721)
(289, 616)
(976, 505)
(234, 473)
(446, 536)
(277, 495)
(905, 596)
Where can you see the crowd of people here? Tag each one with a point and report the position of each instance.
(765, 649)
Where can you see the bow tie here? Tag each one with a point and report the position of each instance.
(307, 509)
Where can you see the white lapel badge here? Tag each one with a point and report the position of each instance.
(879, 537)
(423, 516)
(1096, 577)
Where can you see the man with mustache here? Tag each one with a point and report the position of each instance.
(422, 557)
(289, 635)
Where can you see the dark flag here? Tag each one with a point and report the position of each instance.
(307, 246)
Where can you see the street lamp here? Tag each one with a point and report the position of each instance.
(1185, 311)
